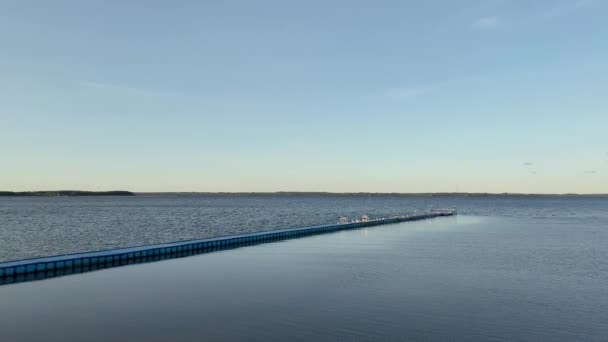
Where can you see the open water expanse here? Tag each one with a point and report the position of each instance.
(42, 226)
(506, 268)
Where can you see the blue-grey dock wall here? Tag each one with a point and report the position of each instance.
(53, 266)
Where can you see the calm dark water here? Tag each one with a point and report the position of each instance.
(37, 226)
(538, 276)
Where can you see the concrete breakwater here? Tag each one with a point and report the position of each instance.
(59, 265)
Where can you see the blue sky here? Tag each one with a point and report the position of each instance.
(386, 96)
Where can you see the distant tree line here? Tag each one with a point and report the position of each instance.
(66, 193)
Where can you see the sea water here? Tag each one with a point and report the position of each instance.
(504, 269)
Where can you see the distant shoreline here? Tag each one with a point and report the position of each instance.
(371, 194)
(65, 193)
(76, 193)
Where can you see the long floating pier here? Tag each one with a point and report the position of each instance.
(59, 265)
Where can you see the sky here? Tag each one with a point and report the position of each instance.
(340, 96)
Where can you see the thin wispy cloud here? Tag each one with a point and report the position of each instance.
(410, 92)
(528, 165)
(590, 172)
(561, 8)
(488, 22)
(415, 91)
(126, 89)
(404, 93)
(113, 87)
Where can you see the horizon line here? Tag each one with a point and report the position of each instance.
(371, 193)
(287, 192)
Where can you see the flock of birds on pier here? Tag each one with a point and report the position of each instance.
(366, 218)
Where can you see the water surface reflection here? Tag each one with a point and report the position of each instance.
(460, 278)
